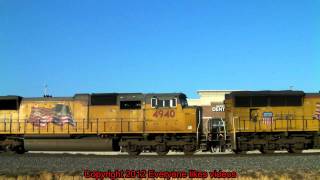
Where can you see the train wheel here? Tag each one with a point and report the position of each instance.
(266, 151)
(20, 150)
(7, 149)
(238, 151)
(134, 153)
(162, 149)
(189, 149)
(294, 150)
(134, 150)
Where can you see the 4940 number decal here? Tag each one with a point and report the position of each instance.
(164, 113)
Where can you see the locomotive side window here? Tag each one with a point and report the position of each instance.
(173, 102)
(154, 102)
(183, 102)
(166, 103)
(160, 103)
(130, 104)
(166, 100)
(163, 102)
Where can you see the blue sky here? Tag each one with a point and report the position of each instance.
(157, 46)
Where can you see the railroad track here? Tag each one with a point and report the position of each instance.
(153, 155)
(177, 154)
(33, 163)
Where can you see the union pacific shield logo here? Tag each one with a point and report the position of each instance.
(267, 118)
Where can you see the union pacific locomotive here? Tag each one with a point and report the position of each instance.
(273, 120)
(135, 123)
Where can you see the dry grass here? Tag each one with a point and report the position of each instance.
(291, 175)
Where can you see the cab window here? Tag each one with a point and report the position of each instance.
(167, 103)
(183, 102)
(154, 102)
(159, 103)
(173, 102)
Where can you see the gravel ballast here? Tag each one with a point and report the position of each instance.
(75, 164)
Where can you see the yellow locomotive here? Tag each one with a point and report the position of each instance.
(134, 122)
(273, 120)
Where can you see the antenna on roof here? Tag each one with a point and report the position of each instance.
(45, 93)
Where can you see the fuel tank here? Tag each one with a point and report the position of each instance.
(67, 144)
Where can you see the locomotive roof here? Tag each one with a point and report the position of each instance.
(140, 94)
(85, 95)
(166, 94)
(312, 94)
(10, 97)
(48, 98)
(266, 93)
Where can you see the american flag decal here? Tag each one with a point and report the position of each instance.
(316, 114)
(267, 118)
(59, 115)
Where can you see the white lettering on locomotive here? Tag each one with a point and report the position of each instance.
(218, 108)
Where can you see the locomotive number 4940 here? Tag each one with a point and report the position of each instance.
(164, 113)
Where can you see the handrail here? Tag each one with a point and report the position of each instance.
(304, 124)
(97, 125)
